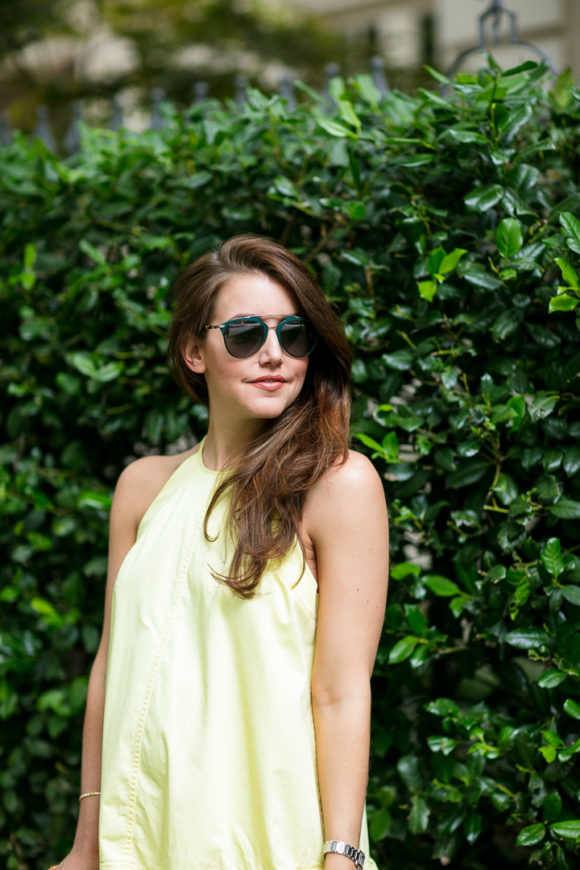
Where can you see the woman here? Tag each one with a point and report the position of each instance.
(245, 598)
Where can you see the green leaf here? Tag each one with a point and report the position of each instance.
(467, 473)
(572, 708)
(443, 707)
(400, 360)
(565, 755)
(390, 445)
(348, 114)
(509, 237)
(572, 594)
(445, 745)
(286, 188)
(466, 137)
(543, 405)
(333, 128)
(517, 404)
(570, 830)
(450, 261)
(571, 227)
(506, 323)
(419, 815)
(564, 302)
(434, 260)
(379, 823)
(97, 256)
(404, 569)
(369, 442)
(479, 276)
(552, 557)
(438, 76)
(549, 753)
(29, 255)
(572, 461)
(569, 274)
(442, 586)
(409, 771)
(47, 610)
(92, 499)
(427, 289)
(566, 509)
(481, 199)
(403, 649)
(369, 92)
(531, 835)
(552, 678)
(529, 638)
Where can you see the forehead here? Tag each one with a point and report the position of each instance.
(253, 293)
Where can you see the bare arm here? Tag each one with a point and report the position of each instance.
(346, 519)
(136, 488)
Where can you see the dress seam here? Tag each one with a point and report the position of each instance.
(148, 696)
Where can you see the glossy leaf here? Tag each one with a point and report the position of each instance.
(570, 830)
(552, 557)
(532, 835)
(509, 237)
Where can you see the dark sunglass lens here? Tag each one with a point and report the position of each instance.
(297, 338)
(244, 337)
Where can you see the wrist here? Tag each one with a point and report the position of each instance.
(333, 861)
(335, 849)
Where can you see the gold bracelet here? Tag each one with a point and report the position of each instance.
(89, 794)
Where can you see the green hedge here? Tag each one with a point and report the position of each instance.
(443, 228)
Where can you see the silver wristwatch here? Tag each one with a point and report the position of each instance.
(356, 855)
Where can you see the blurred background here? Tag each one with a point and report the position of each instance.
(55, 52)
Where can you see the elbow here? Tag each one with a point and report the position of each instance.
(346, 689)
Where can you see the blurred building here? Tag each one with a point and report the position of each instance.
(410, 33)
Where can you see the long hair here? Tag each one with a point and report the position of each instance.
(269, 480)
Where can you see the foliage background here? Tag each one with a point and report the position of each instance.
(443, 229)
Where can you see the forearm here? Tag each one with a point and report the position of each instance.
(87, 832)
(342, 728)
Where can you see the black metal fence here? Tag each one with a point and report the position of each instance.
(489, 36)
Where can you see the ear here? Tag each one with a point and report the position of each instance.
(193, 355)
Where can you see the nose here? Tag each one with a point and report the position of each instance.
(271, 352)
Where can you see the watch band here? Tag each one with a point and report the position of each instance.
(357, 856)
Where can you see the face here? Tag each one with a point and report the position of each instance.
(263, 385)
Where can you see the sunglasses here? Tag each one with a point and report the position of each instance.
(244, 336)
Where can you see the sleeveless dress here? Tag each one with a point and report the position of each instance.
(208, 745)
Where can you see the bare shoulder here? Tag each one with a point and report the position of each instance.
(352, 490)
(141, 481)
(357, 476)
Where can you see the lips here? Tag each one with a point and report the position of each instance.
(269, 379)
(269, 383)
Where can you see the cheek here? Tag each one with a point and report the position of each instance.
(301, 370)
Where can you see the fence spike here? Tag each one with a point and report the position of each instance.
(496, 11)
(5, 130)
(287, 91)
(241, 91)
(378, 75)
(157, 121)
(72, 139)
(42, 129)
(331, 71)
(200, 92)
(118, 117)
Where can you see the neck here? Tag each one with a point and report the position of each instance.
(223, 444)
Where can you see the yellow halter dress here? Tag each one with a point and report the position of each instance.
(208, 746)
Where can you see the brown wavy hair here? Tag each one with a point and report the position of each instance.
(268, 481)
